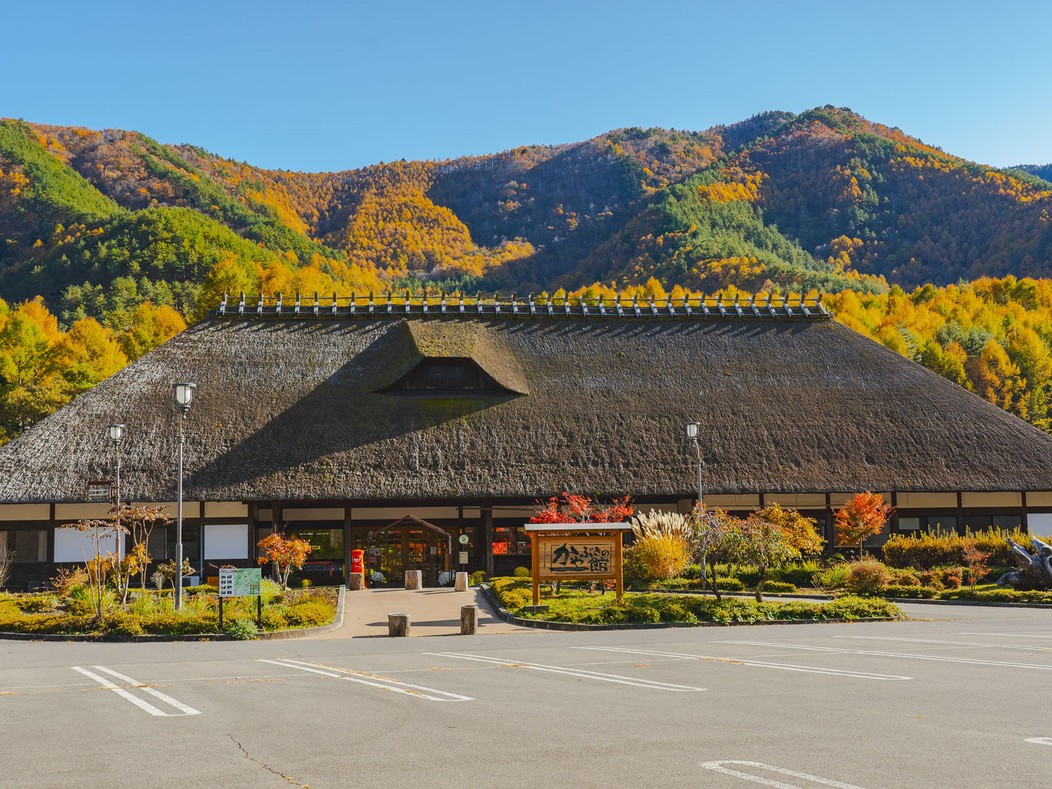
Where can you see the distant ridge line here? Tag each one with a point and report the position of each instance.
(496, 306)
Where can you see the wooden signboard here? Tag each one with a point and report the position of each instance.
(577, 551)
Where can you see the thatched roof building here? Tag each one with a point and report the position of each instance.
(457, 408)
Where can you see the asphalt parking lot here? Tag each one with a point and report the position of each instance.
(960, 696)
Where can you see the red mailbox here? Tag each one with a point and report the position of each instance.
(357, 561)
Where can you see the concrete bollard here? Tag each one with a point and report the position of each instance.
(398, 625)
(414, 579)
(469, 619)
(461, 582)
(357, 582)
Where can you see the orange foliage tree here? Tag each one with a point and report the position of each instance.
(286, 553)
(574, 508)
(864, 515)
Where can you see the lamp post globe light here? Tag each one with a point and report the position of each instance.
(693, 431)
(116, 433)
(184, 395)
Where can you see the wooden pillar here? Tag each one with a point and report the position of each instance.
(1024, 522)
(618, 556)
(827, 527)
(346, 544)
(535, 556)
(487, 538)
(960, 512)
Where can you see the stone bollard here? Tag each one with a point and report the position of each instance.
(469, 619)
(357, 582)
(397, 625)
(462, 582)
(414, 579)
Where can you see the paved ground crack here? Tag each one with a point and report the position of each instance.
(266, 766)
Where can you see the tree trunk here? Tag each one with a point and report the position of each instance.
(759, 584)
(712, 582)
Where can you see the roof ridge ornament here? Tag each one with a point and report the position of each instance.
(407, 304)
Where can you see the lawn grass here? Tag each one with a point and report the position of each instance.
(579, 606)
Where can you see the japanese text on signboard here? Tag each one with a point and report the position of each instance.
(570, 557)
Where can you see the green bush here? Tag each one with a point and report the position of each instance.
(999, 595)
(868, 577)
(310, 613)
(36, 604)
(850, 608)
(242, 629)
(477, 577)
(833, 577)
(275, 617)
(904, 577)
(730, 584)
(778, 587)
(910, 590)
(522, 572)
(692, 572)
(124, 623)
(800, 574)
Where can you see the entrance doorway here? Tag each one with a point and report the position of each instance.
(411, 544)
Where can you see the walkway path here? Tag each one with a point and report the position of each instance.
(433, 612)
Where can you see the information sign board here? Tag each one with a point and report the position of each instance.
(236, 582)
(100, 490)
(577, 551)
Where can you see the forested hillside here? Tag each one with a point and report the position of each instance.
(109, 237)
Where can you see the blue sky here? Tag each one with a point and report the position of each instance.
(304, 85)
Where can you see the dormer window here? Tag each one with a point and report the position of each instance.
(445, 376)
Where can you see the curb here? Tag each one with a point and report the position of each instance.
(541, 624)
(826, 597)
(113, 639)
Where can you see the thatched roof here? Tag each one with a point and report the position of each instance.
(294, 409)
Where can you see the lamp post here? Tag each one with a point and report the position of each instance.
(693, 430)
(116, 432)
(184, 394)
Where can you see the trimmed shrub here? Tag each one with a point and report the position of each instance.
(275, 617)
(868, 577)
(730, 585)
(904, 577)
(477, 577)
(123, 623)
(36, 604)
(801, 574)
(774, 587)
(522, 572)
(309, 613)
(942, 549)
(850, 608)
(915, 591)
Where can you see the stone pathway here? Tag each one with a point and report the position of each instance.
(433, 612)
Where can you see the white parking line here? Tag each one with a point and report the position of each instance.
(384, 683)
(834, 672)
(140, 703)
(1018, 647)
(573, 672)
(1039, 740)
(1010, 635)
(718, 767)
(906, 655)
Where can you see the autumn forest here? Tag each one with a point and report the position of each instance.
(110, 242)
